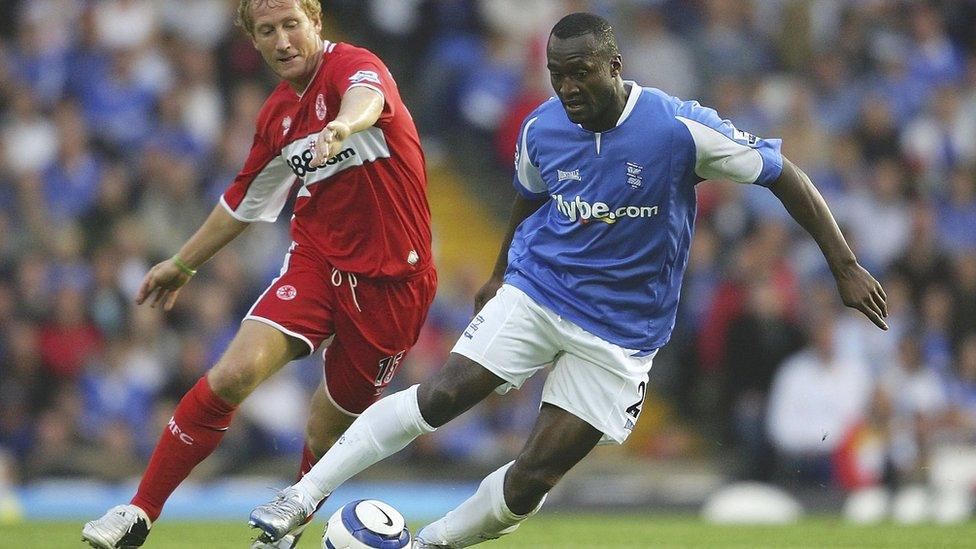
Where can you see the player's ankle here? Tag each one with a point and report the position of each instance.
(309, 494)
(433, 533)
(152, 512)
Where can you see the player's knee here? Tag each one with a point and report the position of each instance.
(233, 381)
(320, 436)
(230, 388)
(319, 442)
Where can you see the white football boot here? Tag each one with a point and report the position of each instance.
(122, 527)
(425, 539)
(430, 538)
(419, 543)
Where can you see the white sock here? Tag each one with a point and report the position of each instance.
(383, 429)
(483, 516)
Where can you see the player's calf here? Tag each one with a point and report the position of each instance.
(458, 386)
(526, 486)
(122, 527)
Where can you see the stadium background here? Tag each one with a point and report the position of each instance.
(121, 121)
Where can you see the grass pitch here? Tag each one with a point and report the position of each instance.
(552, 530)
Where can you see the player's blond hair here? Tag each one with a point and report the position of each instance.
(312, 8)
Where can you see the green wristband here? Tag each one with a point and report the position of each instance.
(183, 267)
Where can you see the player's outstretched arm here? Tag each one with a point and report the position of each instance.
(163, 282)
(360, 108)
(858, 289)
(521, 209)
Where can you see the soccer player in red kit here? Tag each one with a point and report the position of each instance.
(357, 276)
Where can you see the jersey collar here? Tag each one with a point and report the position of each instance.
(325, 50)
(635, 92)
(632, 97)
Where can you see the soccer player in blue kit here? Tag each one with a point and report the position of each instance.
(587, 281)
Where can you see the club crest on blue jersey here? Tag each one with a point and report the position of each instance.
(634, 177)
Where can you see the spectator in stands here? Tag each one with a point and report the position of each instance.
(917, 394)
(816, 396)
(69, 339)
(962, 392)
(72, 180)
(964, 296)
(957, 210)
(921, 259)
(115, 199)
(879, 215)
(935, 327)
(29, 138)
(941, 138)
(758, 341)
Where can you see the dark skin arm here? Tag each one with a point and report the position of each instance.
(521, 209)
(857, 288)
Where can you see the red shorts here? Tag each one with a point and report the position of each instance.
(369, 324)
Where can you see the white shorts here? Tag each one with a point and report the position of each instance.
(599, 382)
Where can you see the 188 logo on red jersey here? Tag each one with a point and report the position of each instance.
(301, 164)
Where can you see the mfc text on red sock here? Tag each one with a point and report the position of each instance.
(194, 431)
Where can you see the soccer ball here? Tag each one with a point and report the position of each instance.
(366, 524)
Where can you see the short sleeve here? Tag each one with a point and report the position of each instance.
(528, 181)
(360, 68)
(260, 190)
(724, 152)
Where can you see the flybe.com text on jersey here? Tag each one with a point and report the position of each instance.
(584, 211)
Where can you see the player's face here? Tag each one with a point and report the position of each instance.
(288, 40)
(585, 80)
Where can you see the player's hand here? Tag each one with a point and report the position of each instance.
(162, 283)
(487, 292)
(859, 290)
(329, 142)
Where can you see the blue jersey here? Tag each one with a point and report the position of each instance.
(609, 249)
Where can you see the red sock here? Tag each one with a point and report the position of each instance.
(194, 431)
(308, 460)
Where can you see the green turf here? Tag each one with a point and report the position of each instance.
(554, 530)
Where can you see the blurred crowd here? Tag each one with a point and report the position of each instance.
(121, 122)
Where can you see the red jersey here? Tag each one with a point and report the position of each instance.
(365, 210)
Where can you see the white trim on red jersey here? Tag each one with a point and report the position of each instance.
(266, 195)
